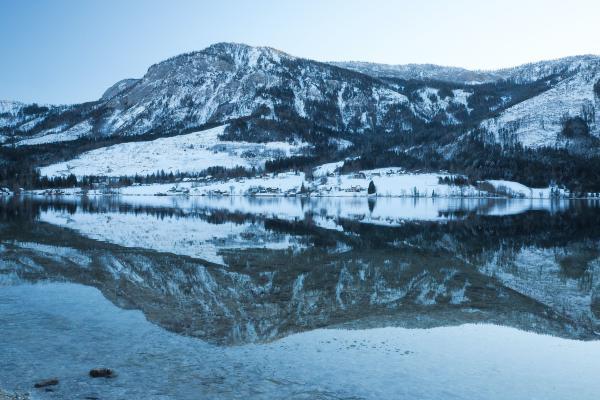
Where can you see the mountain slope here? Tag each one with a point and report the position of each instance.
(539, 121)
(228, 81)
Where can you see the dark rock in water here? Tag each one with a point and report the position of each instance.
(101, 373)
(47, 382)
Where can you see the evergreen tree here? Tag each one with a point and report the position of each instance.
(372, 189)
(302, 188)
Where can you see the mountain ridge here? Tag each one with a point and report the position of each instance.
(445, 72)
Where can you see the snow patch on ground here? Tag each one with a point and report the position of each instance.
(515, 189)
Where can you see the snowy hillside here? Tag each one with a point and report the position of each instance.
(563, 67)
(432, 104)
(193, 152)
(538, 121)
(16, 114)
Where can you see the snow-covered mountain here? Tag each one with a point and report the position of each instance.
(15, 115)
(228, 81)
(259, 94)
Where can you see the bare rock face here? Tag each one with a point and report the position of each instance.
(118, 88)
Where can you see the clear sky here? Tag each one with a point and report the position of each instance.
(66, 51)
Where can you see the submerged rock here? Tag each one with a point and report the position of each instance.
(46, 383)
(101, 373)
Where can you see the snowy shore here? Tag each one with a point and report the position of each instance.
(195, 152)
(327, 182)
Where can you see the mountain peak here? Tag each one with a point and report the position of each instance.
(245, 53)
(221, 55)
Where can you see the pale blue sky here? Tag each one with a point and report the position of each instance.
(65, 51)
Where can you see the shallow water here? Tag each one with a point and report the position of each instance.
(300, 298)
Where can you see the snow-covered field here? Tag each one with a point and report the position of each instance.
(193, 152)
(515, 189)
(464, 362)
(389, 182)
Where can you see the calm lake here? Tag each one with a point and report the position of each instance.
(300, 298)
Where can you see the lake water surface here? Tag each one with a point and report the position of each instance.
(296, 298)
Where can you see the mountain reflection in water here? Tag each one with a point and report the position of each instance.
(240, 270)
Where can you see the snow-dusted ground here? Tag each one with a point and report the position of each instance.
(515, 189)
(389, 182)
(201, 150)
(63, 330)
(193, 152)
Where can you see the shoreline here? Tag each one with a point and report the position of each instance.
(79, 193)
